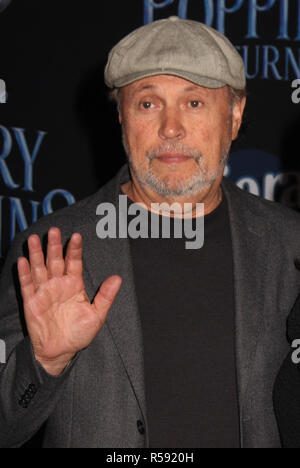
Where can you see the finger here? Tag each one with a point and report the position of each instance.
(55, 261)
(37, 261)
(106, 295)
(73, 260)
(25, 278)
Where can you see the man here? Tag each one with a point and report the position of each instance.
(183, 353)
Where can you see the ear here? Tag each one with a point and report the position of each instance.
(237, 115)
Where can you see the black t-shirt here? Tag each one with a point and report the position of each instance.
(186, 304)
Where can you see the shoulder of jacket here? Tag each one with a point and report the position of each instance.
(273, 212)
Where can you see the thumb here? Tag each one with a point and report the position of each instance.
(106, 295)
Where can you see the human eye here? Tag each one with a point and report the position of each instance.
(146, 105)
(195, 104)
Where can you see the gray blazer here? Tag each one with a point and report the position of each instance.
(99, 399)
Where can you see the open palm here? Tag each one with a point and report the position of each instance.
(59, 316)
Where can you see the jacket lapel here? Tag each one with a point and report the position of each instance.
(250, 250)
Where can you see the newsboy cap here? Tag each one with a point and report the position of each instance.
(184, 48)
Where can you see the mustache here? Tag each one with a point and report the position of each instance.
(173, 148)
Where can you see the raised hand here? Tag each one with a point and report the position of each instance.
(60, 318)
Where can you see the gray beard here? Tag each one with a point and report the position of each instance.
(194, 185)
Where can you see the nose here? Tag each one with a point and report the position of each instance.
(171, 125)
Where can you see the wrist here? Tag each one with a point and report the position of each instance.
(55, 366)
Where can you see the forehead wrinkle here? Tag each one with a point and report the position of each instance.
(154, 87)
(142, 88)
(157, 87)
(195, 88)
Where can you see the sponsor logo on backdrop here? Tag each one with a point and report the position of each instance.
(247, 169)
(276, 59)
(18, 212)
(4, 4)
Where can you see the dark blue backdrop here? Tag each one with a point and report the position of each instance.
(59, 135)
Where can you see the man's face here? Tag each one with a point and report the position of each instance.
(176, 134)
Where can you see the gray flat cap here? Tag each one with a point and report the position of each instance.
(179, 47)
